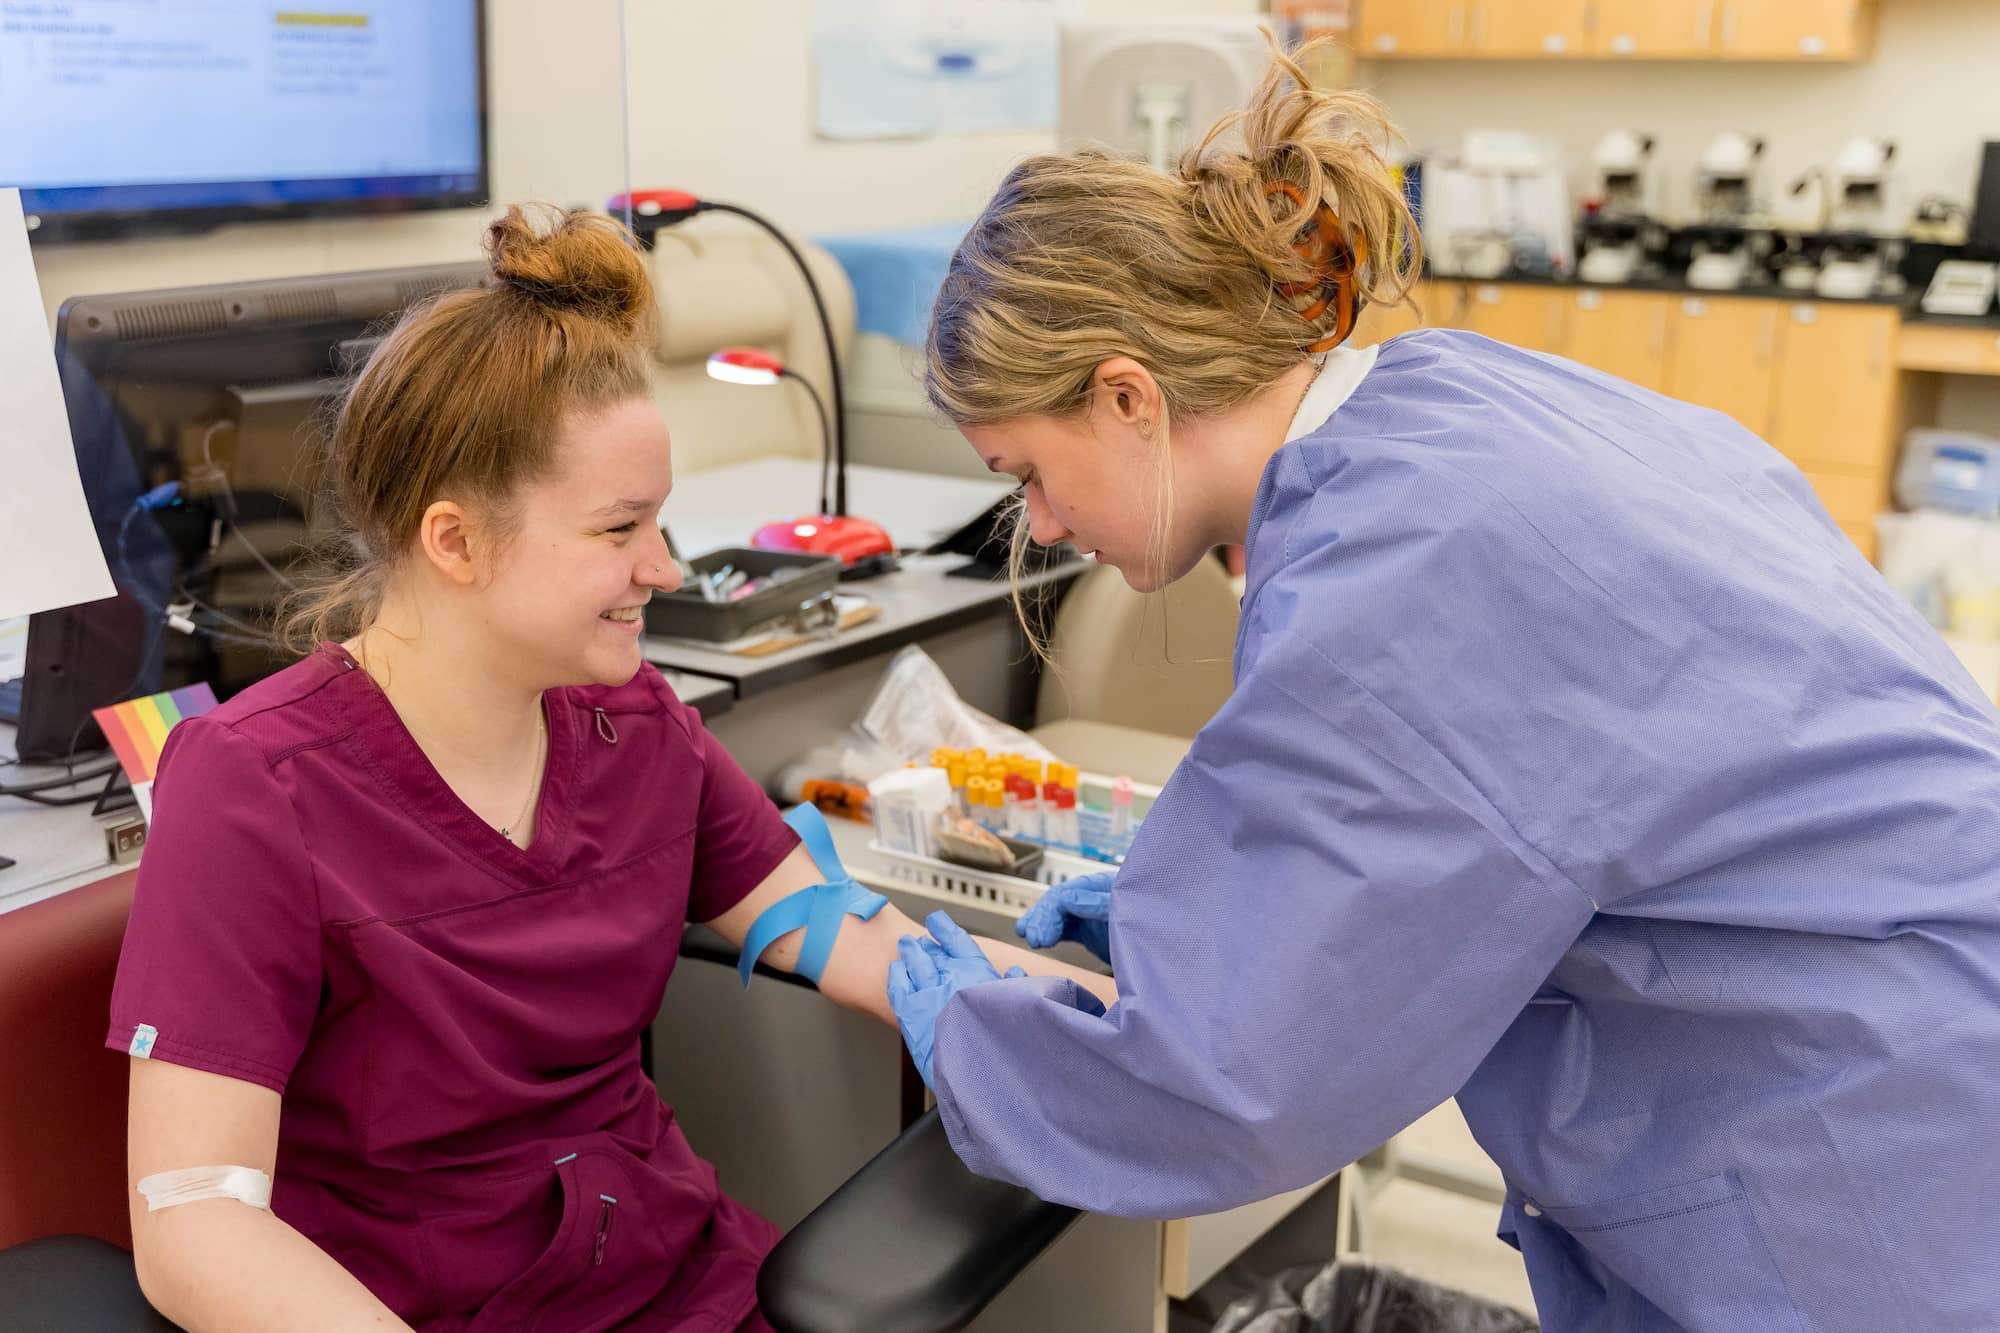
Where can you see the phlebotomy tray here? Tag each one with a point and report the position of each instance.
(687, 615)
(1008, 894)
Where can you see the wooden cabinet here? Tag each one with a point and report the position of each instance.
(1444, 301)
(1518, 313)
(1852, 502)
(1619, 333)
(1948, 349)
(1529, 27)
(1835, 404)
(1379, 323)
(1414, 28)
(1794, 29)
(1653, 29)
(1616, 29)
(1853, 499)
(1722, 353)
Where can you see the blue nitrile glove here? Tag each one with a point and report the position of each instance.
(926, 974)
(1077, 909)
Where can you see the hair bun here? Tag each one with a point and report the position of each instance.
(572, 261)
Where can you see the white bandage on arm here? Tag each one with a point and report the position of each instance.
(245, 1184)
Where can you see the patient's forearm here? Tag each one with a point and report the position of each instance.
(1006, 955)
(219, 1264)
(857, 975)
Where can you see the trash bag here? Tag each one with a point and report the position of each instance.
(1351, 1297)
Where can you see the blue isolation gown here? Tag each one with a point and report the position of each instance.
(1580, 767)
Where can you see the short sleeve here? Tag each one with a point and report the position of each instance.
(739, 837)
(221, 967)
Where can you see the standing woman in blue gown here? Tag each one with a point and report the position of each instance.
(1578, 767)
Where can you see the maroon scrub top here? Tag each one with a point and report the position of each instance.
(453, 1022)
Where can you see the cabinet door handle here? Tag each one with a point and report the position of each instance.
(1660, 333)
(1878, 351)
(1767, 338)
(1457, 36)
(1478, 25)
(1704, 24)
(1729, 25)
(1555, 330)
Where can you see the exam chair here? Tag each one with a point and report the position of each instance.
(1136, 676)
(911, 1243)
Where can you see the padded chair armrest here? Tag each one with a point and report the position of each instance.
(63, 1283)
(913, 1242)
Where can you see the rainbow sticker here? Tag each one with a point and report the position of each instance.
(137, 728)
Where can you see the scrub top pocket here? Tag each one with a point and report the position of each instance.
(1655, 1262)
(593, 1273)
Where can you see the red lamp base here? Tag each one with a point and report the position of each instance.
(847, 539)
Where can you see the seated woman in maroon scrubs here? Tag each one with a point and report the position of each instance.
(409, 903)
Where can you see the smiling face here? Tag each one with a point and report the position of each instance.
(564, 594)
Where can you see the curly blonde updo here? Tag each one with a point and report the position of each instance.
(1085, 256)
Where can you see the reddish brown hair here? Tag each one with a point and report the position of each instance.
(465, 397)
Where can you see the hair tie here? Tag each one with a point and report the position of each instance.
(1335, 259)
(540, 289)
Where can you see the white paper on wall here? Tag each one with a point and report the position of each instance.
(911, 68)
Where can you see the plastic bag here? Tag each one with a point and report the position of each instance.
(915, 711)
(834, 775)
(1351, 1297)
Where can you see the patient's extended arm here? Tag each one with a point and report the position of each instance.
(856, 975)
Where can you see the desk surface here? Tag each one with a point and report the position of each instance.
(917, 602)
(55, 848)
(706, 695)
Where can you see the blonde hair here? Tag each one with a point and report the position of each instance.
(465, 398)
(1085, 256)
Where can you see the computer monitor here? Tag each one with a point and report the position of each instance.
(197, 416)
(128, 117)
(1984, 241)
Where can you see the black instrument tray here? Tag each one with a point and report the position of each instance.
(687, 615)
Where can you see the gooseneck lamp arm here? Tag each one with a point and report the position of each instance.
(655, 209)
(826, 438)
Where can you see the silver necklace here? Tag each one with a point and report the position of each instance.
(534, 775)
(1319, 368)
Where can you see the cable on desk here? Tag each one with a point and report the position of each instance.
(51, 784)
(86, 798)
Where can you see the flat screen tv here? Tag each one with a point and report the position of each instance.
(179, 115)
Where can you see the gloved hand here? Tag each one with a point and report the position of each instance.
(1077, 909)
(926, 974)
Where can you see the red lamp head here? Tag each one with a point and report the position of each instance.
(744, 365)
(653, 211)
(665, 207)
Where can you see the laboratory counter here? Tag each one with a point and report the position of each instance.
(1678, 287)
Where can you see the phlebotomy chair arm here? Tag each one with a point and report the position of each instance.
(913, 1242)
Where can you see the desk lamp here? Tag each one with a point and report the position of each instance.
(833, 531)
